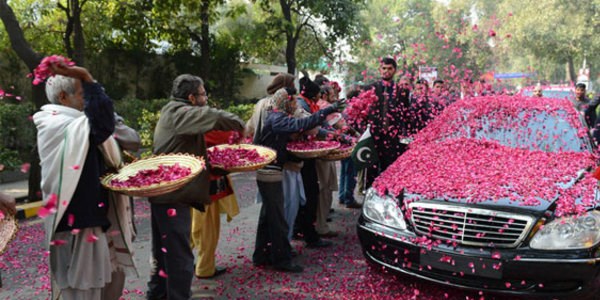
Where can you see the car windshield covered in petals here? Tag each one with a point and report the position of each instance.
(495, 194)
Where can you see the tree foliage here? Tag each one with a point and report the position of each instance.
(325, 22)
(555, 30)
(478, 36)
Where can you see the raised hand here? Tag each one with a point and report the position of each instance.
(71, 71)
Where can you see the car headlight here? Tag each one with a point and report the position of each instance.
(577, 232)
(383, 210)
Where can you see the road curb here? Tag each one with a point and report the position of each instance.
(28, 210)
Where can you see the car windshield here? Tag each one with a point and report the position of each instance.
(533, 130)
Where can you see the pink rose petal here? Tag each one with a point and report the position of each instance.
(25, 167)
(171, 212)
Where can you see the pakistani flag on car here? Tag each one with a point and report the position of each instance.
(364, 153)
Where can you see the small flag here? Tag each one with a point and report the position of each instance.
(364, 153)
(596, 173)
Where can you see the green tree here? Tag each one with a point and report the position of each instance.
(555, 30)
(31, 59)
(325, 21)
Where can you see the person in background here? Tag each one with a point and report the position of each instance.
(421, 91)
(348, 172)
(76, 146)
(180, 129)
(581, 101)
(423, 107)
(259, 114)
(326, 171)
(590, 114)
(7, 206)
(440, 93)
(438, 88)
(307, 215)
(272, 247)
(405, 88)
(583, 105)
(130, 142)
(466, 88)
(320, 79)
(293, 186)
(206, 225)
(537, 91)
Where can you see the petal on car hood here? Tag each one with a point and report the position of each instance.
(482, 171)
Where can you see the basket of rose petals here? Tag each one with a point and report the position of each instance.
(343, 152)
(312, 149)
(8, 230)
(240, 158)
(154, 176)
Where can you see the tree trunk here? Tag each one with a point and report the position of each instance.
(78, 38)
(68, 29)
(76, 48)
(290, 54)
(17, 38)
(571, 77)
(205, 40)
(31, 59)
(291, 40)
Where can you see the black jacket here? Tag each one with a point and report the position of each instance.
(279, 126)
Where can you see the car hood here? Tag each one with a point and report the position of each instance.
(484, 172)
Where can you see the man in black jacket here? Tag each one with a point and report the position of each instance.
(387, 118)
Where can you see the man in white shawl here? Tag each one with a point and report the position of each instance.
(89, 230)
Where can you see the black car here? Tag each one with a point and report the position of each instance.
(496, 194)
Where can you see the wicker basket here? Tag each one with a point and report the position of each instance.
(314, 153)
(268, 154)
(8, 231)
(196, 165)
(339, 153)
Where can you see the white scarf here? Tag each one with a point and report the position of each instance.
(63, 143)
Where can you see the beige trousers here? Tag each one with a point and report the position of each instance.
(205, 237)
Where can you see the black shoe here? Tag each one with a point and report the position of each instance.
(329, 234)
(152, 297)
(261, 263)
(354, 205)
(289, 267)
(294, 253)
(331, 210)
(328, 220)
(218, 271)
(321, 243)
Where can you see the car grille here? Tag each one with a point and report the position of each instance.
(469, 226)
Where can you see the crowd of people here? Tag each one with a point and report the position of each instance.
(90, 230)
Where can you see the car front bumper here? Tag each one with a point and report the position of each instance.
(509, 271)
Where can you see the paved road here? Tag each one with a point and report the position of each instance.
(339, 272)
